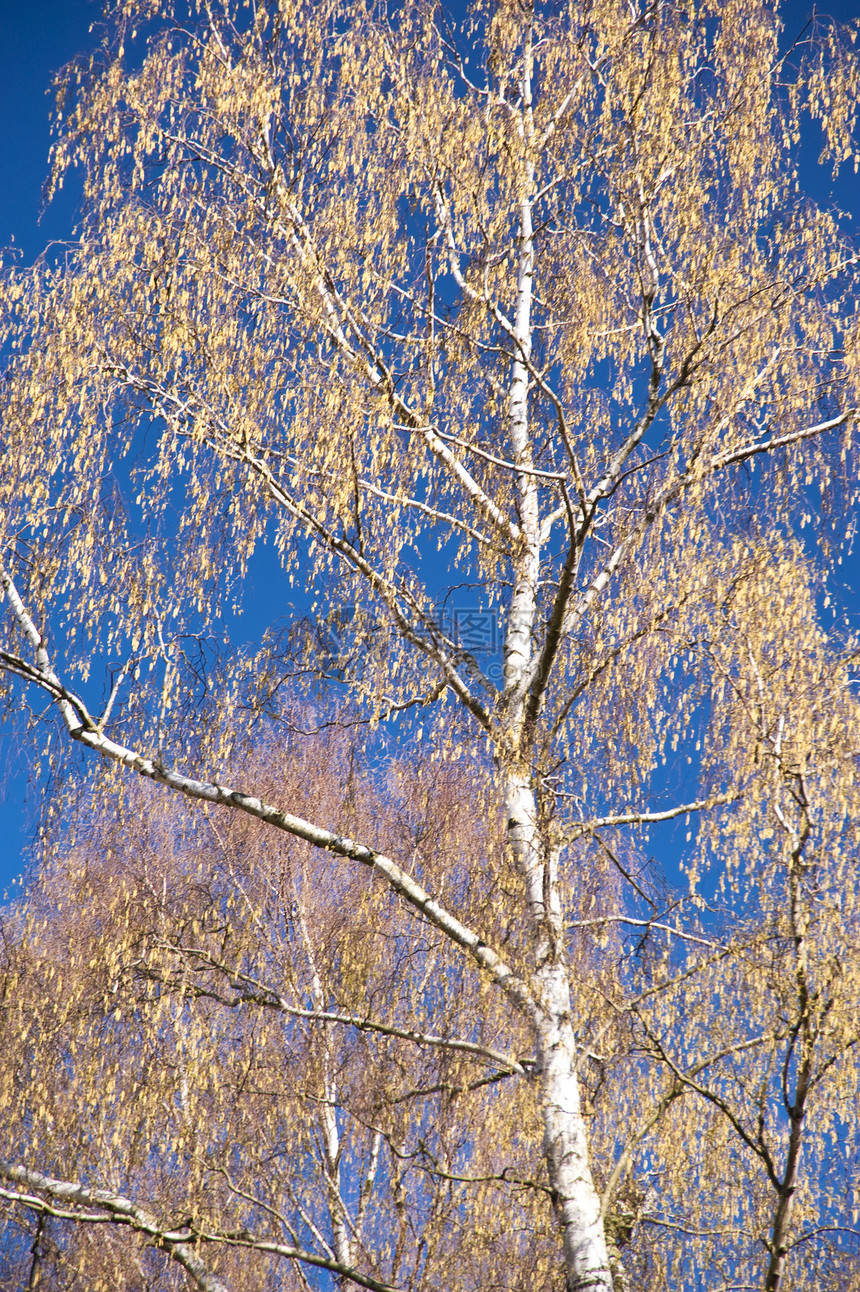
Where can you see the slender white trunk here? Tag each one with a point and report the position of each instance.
(796, 1110)
(565, 1139)
(341, 1236)
(329, 1134)
(518, 643)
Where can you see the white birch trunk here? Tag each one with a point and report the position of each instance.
(341, 1236)
(330, 1136)
(565, 1139)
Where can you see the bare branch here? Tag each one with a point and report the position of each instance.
(212, 792)
(251, 990)
(643, 817)
(599, 920)
(117, 1210)
(751, 450)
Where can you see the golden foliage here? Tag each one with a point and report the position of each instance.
(532, 311)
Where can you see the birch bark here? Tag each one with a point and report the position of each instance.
(329, 1132)
(565, 1138)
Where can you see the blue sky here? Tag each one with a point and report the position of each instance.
(39, 37)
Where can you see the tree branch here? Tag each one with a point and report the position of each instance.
(113, 1208)
(251, 990)
(747, 451)
(579, 829)
(212, 792)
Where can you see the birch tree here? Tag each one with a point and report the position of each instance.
(527, 314)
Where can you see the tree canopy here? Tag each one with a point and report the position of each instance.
(511, 352)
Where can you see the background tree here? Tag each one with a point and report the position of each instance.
(279, 1073)
(533, 307)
